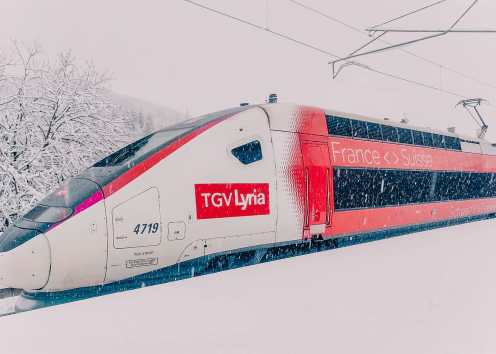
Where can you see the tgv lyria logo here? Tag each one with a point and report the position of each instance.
(231, 200)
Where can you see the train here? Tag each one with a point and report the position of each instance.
(254, 177)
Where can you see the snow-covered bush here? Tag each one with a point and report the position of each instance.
(57, 117)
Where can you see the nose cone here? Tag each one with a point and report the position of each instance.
(26, 266)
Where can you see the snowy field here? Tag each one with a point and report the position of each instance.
(432, 292)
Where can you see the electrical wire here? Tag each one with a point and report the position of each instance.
(410, 13)
(422, 58)
(262, 28)
(320, 50)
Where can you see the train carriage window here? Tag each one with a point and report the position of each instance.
(446, 184)
(443, 141)
(359, 129)
(464, 186)
(392, 188)
(453, 189)
(458, 144)
(425, 182)
(405, 136)
(375, 188)
(338, 126)
(452, 143)
(438, 141)
(428, 139)
(418, 139)
(248, 153)
(457, 189)
(416, 187)
(484, 184)
(480, 184)
(374, 130)
(389, 133)
(354, 188)
(491, 188)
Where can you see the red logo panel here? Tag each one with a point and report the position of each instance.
(231, 199)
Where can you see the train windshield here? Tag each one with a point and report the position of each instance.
(59, 205)
(47, 214)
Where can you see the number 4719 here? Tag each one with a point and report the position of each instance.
(141, 229)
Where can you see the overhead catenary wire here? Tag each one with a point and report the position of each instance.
(321, 50)
(261, 28)
(406, 51)
(411, 13)
(356, 53)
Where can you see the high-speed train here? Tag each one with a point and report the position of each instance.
(245, 178)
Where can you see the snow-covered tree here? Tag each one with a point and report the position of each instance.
(56, 118)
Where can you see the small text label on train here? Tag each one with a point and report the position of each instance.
(358, 155)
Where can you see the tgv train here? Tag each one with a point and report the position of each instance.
(252, 177)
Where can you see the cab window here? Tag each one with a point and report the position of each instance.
(248, 153)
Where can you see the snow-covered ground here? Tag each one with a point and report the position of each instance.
(432, 292)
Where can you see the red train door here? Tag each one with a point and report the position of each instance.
(317, 172)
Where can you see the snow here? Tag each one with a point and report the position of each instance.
(431, 292)
(58, 117)
(7, 305)
(155, 115)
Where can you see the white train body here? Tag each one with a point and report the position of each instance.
(227, 181)
(180, 208)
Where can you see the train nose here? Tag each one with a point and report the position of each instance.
(26, 266)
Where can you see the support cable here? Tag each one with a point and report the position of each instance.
(398, 45)
(474, 103)
(410, 13)
(406, 51)
(322, 51)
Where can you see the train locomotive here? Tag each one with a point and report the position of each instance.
(251, 177)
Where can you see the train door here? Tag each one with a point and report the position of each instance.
(317, 174)
(137, 235)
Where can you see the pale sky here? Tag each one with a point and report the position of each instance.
(183, 57)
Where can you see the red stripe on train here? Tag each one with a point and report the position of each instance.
(147, 164)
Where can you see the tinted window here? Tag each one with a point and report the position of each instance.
(452, 143)
(47, 214)
(447, 185)
(405, 136)
(427, 139)
(338, 126)
(359, 129)
(374, 130)
(418, 139)
(438, 140)
(375, 188)
(389, 133)
(14, 236)
(71, 193)
(248, 153)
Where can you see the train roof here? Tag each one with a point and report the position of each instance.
(384, 121)
(195, 122)
(281, 119)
